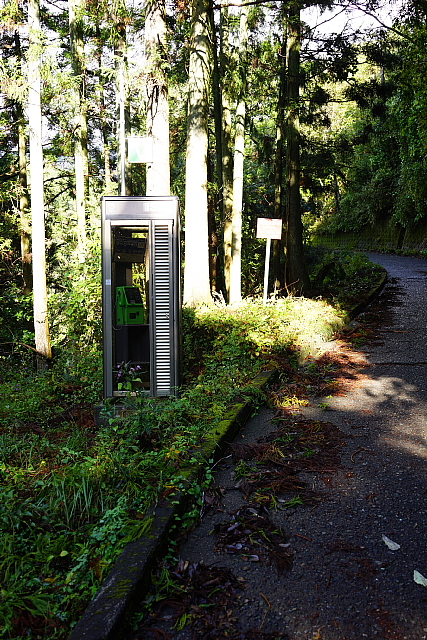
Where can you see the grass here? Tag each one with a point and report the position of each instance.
(74, 494)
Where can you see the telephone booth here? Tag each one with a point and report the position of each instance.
(141, 294)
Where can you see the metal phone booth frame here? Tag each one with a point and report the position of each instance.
(141, 293)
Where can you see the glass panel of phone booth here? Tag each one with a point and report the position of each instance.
(130, 308)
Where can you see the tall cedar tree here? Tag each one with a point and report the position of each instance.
(41, 324)
(158, 171)
(235, 292)
(196, 271)
(75, 13)
(296, 275)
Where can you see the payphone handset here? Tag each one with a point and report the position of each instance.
(130, 308)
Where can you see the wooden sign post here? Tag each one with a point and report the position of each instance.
(270, 228)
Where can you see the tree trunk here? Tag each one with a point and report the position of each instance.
(196, 272)
(296, 275)
(24, 200)
(213, 249)
(278, 161)
(158, 171)
(75, 10)
(103, 116)
(226, 146)
(214, 244)
(235, 294)
(214, 271)
(41, 325)
(120, 54)
(24, 205)
(216, 93)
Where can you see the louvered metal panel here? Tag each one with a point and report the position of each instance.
(162, 308)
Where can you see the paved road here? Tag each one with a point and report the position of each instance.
(406, 332)
(386, 491)
(346, 583)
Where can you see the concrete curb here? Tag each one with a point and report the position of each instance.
(373, 293)
(129, 579)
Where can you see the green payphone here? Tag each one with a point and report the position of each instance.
(129, 306)
(141, 293)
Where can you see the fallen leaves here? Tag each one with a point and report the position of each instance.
(252, 535)
(300, 445)
(333, 373)
(419, 578)
(269, 468)
(390, 544)
(206, 600)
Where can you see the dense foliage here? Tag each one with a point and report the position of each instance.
(379, 142)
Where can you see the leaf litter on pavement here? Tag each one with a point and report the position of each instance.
(207, 598)
(268, 471)
(252, 535)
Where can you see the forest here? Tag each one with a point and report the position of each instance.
(252, 112)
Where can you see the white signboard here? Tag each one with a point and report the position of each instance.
(140, 149)
(269, 228)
